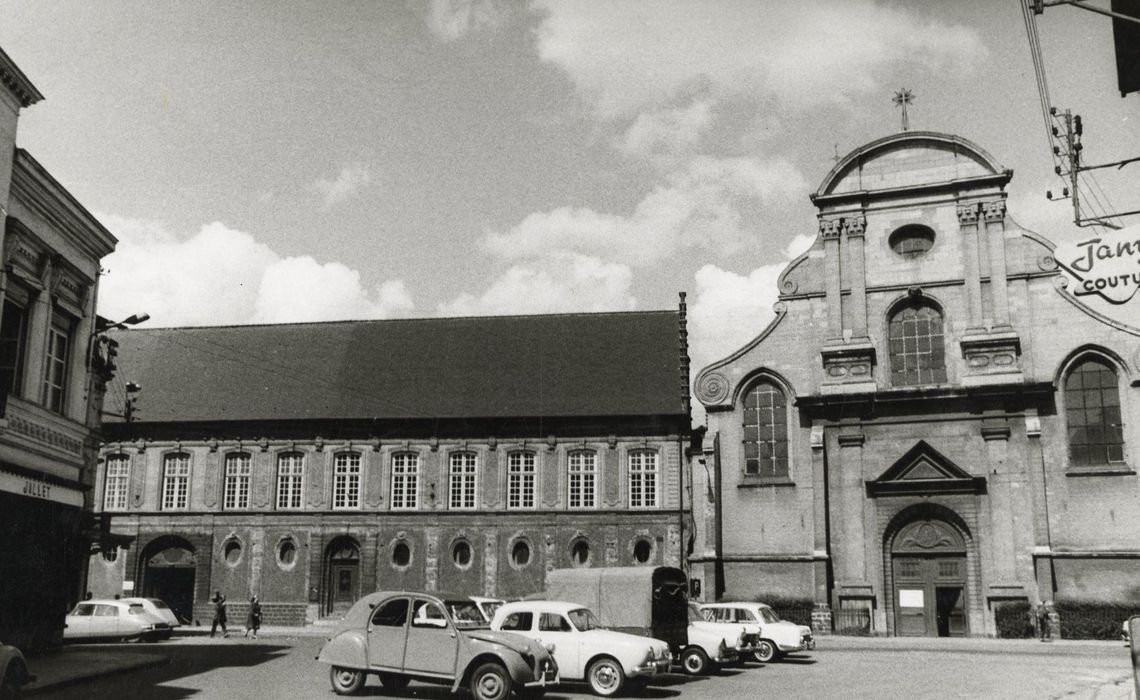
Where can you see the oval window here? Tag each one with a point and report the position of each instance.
(642, 550)
(580, 553)
(287, 553)
(520, 554)
(912, 240)
(461, 554)
(232, 552)
(401, 554)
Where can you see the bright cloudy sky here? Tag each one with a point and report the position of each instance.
(271, 161)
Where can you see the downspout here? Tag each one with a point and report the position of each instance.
(686, 427)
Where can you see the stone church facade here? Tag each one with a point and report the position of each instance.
(932, 430)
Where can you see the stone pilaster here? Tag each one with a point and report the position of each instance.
(853, 228)
(431, 559)
(490, 563)
(829, 230)
(968, 223)
(994, 213)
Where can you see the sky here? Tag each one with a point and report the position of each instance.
(271, 161)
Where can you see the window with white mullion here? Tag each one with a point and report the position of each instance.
(405, 481)
(462, 481)
(176, 482)
(581, 483)
(116, 482)
(643, 481)
(290, 480)
(235, 495)
(346, 480)
(520, 480)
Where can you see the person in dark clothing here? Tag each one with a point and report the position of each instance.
(219, 602)
(1043, 621)
(253, 619)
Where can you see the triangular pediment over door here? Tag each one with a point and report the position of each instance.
(924, 470)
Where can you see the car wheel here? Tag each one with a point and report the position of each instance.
(695, 661)
(10, 686)
(605, 677)
(766, 652)
(394, 681)
(491, 682)
(346, 681)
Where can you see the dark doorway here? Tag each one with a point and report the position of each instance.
(950, 611)
(342, 584)
(169, 571)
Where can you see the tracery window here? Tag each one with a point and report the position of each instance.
(917, 346)
(765, 431)
(1092, 414)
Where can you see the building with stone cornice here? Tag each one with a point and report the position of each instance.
(310, 464)
(51, 381)
(932, 433)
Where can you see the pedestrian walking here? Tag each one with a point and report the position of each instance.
(1042, 621)
(219, 602)
(253, 619)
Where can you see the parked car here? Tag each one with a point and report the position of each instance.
(436, 638)
(777, 637)
(113, 619)
(583, 649)
(703, 654)
(158, 608)
(487, 606)
(13, 672)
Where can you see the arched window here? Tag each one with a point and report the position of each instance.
(1092, 412)
(765, 431)
(918, 350)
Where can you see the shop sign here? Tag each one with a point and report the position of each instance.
(1106, 265)
(35, 488)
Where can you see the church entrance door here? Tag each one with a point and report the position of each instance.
(928, 563)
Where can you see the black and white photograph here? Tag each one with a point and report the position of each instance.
(563, 349)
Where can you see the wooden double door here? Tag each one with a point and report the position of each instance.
(930, 595)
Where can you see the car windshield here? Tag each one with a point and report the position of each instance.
(490, 606)
(769, 615)
(584, 620)
(159, 604)
(465, 614)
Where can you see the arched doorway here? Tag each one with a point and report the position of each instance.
(928, 567)
(168, 570)
(342, 584)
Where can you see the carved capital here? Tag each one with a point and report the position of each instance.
(853, 226)
(829, 228)
(968, 214)
(994, 211)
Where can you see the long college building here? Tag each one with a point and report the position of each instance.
(310, 464)
(933, 430)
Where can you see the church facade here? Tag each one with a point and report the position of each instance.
(932, 434)
(310, 464)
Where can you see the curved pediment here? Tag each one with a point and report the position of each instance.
(908, 159)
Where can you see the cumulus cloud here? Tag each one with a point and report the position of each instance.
(558, 282)
(349, 181)
(453, 19)
(627, 55)
(698, 206)
(667, 131)
(223, 276)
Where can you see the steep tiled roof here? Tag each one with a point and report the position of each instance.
(572, 365)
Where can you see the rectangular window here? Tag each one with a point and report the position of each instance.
(176, 482)
(405, 481)
(346, 480)
(56, 361)
(581, 482)
(13, 344)
(235, 495)
(117, 482)
(520, 480)
(463, 473)
(290, 479)
(643, 479)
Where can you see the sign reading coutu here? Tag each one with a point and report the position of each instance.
(1107, 265)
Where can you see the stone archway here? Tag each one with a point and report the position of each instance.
(927, 570)
(342, 578)
(168, 570)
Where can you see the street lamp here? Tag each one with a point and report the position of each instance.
(102, 325)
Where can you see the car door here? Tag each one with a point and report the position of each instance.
(387, 631)
(79, 622)
(433, 642)
(554, 628)
(105, 622)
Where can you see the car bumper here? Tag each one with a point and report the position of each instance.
(746, 649)
(651, 669)
(806, 644)
(727, 657)
(547, 677)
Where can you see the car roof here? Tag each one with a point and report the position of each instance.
(735, 604)
(360, 611)
(557, 606)
(107, 601)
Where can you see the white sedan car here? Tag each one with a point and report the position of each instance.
(159, 609)
(113, 619)
(582, 649)
(777, 637)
